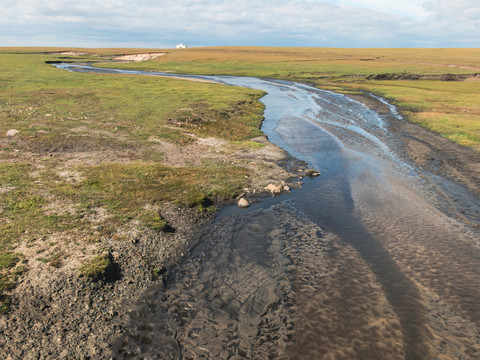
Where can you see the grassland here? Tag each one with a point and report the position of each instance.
(450, 108)
(87, 159)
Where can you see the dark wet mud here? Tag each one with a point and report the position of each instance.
(377, 258)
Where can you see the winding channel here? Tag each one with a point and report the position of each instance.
(375, 259)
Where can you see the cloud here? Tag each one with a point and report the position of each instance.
(410, 8)
(154, 23)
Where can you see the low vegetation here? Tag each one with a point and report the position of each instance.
(97, 267)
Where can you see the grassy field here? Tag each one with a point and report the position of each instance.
(451, 108)
(86, 148)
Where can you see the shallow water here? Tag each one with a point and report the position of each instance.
(374, 259)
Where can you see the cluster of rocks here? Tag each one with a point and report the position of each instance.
(271, 188)
(278, 189)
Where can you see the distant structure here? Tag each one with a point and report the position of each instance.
(181, 46)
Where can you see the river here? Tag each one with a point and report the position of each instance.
(375, 259)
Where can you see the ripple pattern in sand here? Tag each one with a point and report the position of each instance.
(440, 254)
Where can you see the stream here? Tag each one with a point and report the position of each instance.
(374, 259)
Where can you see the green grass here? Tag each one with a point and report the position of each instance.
(311, 63)
(37, 97)
(134, 191)
(247, 144)
(96, 268)
(62, 112)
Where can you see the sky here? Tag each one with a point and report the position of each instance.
(305, 23)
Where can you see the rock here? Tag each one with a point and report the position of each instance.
(12, 132)
(270, 187)
(312, 172)
(274, 189)
(242, 203)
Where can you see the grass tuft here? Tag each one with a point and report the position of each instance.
(96, 268)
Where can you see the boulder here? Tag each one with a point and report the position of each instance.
(242, 203)
(12, 132)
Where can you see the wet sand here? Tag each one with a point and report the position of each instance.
(275, 286)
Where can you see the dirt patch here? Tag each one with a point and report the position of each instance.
(57, 314)
(372, 103)
(69, 53)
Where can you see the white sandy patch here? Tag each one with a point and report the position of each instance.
(59, 208)
(99, 215)
(70, 53)
(138, 57)
(211, 142)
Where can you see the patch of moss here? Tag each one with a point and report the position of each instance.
(8, 260)
(154, 221)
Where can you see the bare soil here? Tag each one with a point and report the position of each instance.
(137, 57)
